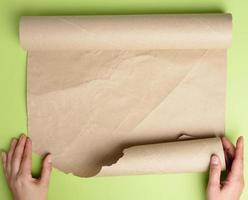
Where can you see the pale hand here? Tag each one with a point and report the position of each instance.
(17, 164)
(232, 187)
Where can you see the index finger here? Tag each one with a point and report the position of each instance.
(228, 147)
(17, 155)
(236, 172)
(26, 163)
(229, 151)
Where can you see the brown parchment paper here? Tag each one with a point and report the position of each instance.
(100, 84)
(180, 156)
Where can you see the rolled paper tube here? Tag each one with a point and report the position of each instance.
(181, 156)
(137, 32)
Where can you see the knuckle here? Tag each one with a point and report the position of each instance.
(22, 176)
(12, 182)
(17, 155)
(215, 168)
(21, 181)
(240, 160)
(214, 172)
(240, 183)
(212, 184)
(24, 157)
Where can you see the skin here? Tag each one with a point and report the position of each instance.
(232, 187)
(17, 164)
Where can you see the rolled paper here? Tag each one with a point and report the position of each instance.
(126, 32)
(172, 157)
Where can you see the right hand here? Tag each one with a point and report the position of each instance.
(232, 187)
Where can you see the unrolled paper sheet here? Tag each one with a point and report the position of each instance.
(98, 85)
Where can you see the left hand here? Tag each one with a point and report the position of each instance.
(17, 164)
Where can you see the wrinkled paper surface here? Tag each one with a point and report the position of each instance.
(98, 85)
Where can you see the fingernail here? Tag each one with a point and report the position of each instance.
(214, 160)
(240, 140)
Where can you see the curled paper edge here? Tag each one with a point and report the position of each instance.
(172, 157)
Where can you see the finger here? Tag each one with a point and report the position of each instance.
(228, 146)
(17, 155)
(26, 163)
(236, 172)
(4, 161)
(214, 174)
(46, 169)
(229, 150)
(10, 154)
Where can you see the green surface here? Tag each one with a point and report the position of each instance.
(13, 118)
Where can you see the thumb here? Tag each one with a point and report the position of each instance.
(214, 174)
(46, 169)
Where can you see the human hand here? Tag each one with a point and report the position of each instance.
(17, 164)
(231, 188)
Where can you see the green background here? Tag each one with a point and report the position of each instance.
(13, 119)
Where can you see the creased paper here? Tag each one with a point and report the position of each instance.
(98, 86)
